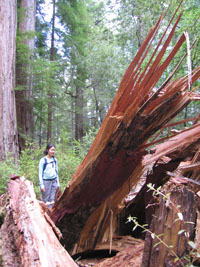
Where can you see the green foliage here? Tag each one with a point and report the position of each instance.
(67, 160)
(69, 155)
(81, 148)
(29, 161)
(7, 168)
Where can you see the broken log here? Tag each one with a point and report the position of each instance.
(86, 212)
(27, 238)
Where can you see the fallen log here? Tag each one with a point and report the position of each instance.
(27, 238)
(86, 212)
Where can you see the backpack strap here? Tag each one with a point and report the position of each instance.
(55, 165)
(45, 164)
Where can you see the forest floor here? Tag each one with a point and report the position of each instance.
(131, 256)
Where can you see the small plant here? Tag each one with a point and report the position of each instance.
(193, 254)
(7, 167)
(153, 236)
(67, 157)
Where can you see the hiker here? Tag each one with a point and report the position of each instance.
(48, 176)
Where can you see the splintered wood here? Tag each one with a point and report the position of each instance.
(86, 212)
(27, 238)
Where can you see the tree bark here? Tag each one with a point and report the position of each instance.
(24, 73)
(8, 125)
(167, 224)
(50, 94)
(29, 237)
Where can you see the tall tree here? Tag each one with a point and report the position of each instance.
(50, 94)
(8, 125)
(24, 73)
(75, 19)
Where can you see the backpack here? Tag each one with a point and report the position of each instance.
(45, 164)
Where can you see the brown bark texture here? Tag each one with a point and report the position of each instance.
(114, 163)
(28, 236)
(175, 231)
(8, 125)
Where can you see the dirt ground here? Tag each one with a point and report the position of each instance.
(131, 256)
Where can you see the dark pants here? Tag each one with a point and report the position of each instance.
(48, 196)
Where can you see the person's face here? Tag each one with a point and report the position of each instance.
(51, 151)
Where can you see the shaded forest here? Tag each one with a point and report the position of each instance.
(135, 192)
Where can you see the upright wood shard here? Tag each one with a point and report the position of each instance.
(174, 223)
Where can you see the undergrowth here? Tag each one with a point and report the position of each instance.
(69, 155)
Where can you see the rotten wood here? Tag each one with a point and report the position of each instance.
(27, 238)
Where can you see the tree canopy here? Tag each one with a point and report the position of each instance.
(94, 43)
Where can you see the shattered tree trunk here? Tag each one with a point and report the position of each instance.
(27, 236)
(88, 207)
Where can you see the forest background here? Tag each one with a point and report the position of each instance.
(69, 58)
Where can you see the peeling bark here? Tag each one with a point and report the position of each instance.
(27, 237)
(8, 125)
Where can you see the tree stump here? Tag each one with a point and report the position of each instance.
(174, 222)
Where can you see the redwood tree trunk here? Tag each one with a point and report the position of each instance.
(50, 94)
(79, 114)
(24, 74)
(8, 125)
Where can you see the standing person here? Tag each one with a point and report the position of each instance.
(48, 175)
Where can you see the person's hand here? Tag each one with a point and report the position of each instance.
(43, 189)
